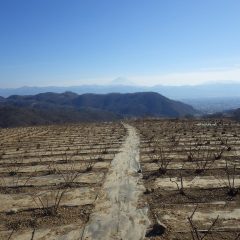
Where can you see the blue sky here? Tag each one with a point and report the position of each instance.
(74, 42)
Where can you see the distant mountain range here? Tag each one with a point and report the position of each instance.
(47, 108)
(211, 90)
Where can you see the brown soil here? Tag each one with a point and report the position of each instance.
(37, 218)
(33, 189)
(151, 175)
(160, 196)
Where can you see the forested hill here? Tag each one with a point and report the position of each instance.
(70, 107)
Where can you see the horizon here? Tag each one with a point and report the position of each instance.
(110, 84)
(57, 43)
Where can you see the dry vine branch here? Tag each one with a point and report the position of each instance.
(161, 157)
(14, 166)
(68, 171)
(179, 182)
(230, 171)
(49, 203)
(195, 232)
(203, 155)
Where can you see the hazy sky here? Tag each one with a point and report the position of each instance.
(73, 42)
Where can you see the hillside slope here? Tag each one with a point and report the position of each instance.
(11, 116)
(49, 108)
(135, 104)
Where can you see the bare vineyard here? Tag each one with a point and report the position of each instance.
(51, 176)
(191, 171)
(54, 178)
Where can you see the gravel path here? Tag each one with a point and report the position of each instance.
(116, 215)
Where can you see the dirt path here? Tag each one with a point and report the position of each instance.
(116, 215)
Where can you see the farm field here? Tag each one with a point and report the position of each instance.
(191, 171)
(51, 176)
(144, 179)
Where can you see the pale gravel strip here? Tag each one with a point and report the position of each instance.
(116, 215)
